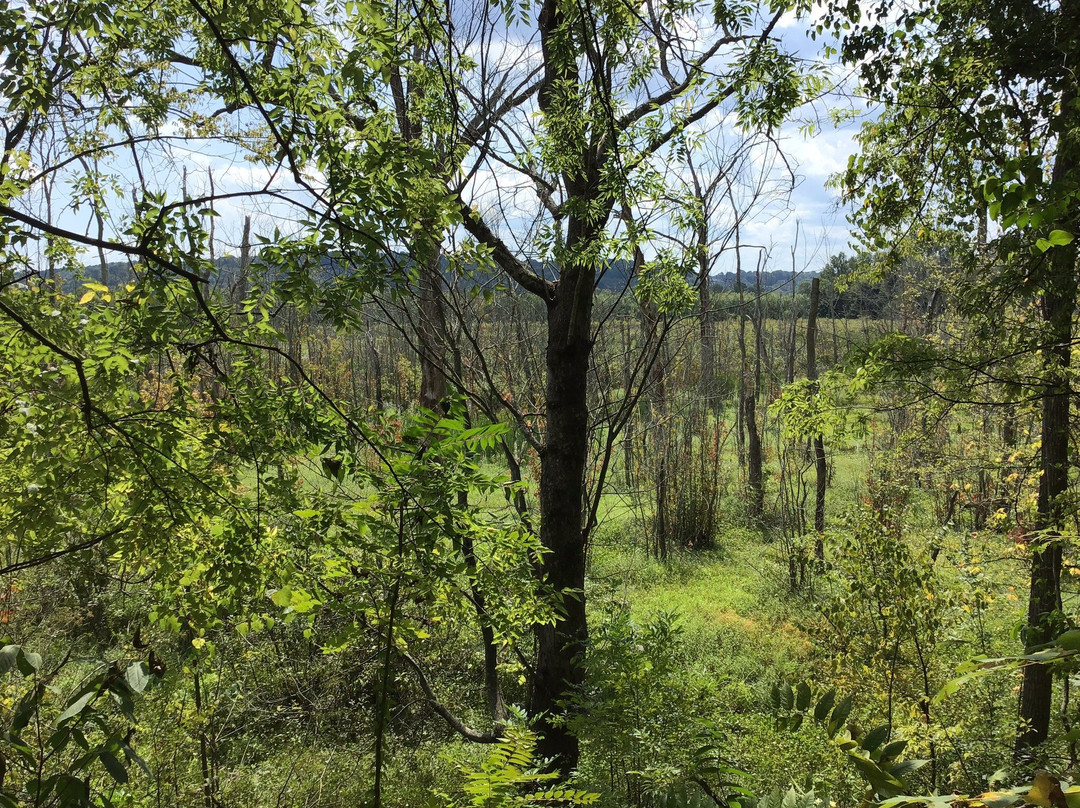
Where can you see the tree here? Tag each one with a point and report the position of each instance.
(981, 101)
(617, 87)
(158, 408)
(346, 113)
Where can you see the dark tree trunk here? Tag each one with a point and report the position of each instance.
(789, 365)
(1058, 306)
(708, 359)
(1044, 603)
(820, 468)
(628, 434)
(754, 461)
(376, 367)
(1008, 426)
(754, 479)
(431, 332)
(740, 435)
(562, 491)
(661, 444)
(492, 691)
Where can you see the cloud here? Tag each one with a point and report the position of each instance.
(820, 156)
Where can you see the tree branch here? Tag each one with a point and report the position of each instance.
(75, 548)
(504, 258)
(657, 101)
(455, 723)
(88, 407)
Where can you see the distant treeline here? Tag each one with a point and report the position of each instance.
(847, 291)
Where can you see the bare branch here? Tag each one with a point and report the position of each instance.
(455, 723)
(75, 548)
(669, 95)
(513, 266)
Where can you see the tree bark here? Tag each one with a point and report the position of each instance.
(820, 468)
(559, 646)
(1058, 305)
(740, 417)
(754, 473)
(708, 360)
(754, 461)
(431, 333)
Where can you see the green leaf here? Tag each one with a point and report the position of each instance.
(8, 657)
(28, 662)
(25, 711)
(802, 698)
(953, 685)
(907, 766)
(71, 791)
(875, 738)
(77, 706)
(839, 716)
(881, 781)
(1000, 799)
(137, 677)
(891, 751)
(1059, 238)
(114, 767)
(825, 703)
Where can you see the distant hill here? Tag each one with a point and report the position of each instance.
(771, 281)
(613, 279)
(120, 273)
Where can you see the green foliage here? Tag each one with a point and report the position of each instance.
(824, 406)
(1046, 791)
(72, 750)
(792, 798)
(872, 755)
(511, 776)
(640, 712)
(406, 525)
(885, 595)
(181, 451)
(687, 476)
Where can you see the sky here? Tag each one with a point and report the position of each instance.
(807, 219)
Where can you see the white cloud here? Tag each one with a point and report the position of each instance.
(820, 156)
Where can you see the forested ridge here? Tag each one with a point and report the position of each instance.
(421, 405)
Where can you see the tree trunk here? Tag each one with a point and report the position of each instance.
(376, 367)
(740, 435)
(754, 471)
(789, 365)
(661, 431)
(708, 359)
(1058, 305)
(1044, 603)
(559, 646)
(431, 333)
(819, 441)
(754, 482)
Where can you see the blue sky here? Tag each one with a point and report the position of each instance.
(807, 218)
